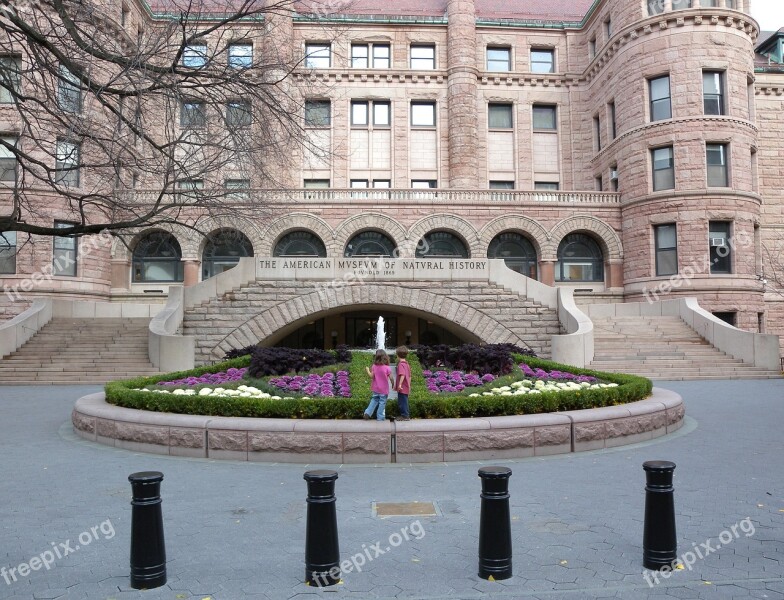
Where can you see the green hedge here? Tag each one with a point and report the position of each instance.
(423, 403)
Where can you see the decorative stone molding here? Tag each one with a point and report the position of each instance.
(452, 224)
(523, 225)
(357, 441)
(370, 221)
(607, 236)
(296, 221)
(183, 235)
(195, 244)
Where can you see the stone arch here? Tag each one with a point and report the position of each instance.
(451, 223)
(213, 224)
(606, 236)
(526, 226)
(297, 222)
(284, 317)
(369, 221)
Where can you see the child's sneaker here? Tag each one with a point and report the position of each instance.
(365, 416)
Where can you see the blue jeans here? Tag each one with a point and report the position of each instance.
(379, 400)
(402, 404)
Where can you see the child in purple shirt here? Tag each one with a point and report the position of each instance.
(381, 373)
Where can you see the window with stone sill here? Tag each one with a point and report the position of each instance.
(681, 4)
(193, 114)
(318, 56)
(371, 113)
(157, 257)
(318, 113)
(542, 60)
(546, 186)
(8, 161)
(240, 55)
(373, 56)
(10, 78)
(502, 185)
(67, 163)
(64, 252)
(316, 184)
(717, 159)
(713, 92)
(500, 116)
(238, 114)
(194, 56)
(499, 59)
(423, 114)
(223, 250)
(655, 7)
(660, 100)
(663, 164)
(719, 239)
(666, 247)
(544, 117)
(423, 57)
(301, 244)
(8, 252)
(69, 92)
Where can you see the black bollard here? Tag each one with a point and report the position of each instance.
(659, 544)
(148, 549)
(322, 554)
(495, 530)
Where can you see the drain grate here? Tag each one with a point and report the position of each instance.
(406, 509)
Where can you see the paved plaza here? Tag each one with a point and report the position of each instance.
(236, 531)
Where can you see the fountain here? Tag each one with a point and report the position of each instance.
(381, 336)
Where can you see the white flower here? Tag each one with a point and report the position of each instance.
(473, 396)
(506, 393)
(275, 398)
(205, 391)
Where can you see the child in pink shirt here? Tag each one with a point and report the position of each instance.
(403, 384)
(381, 373)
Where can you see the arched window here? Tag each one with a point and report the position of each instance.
(516, 250)
(223, 250)
(370, 243)
(441, 244)
(579, 259)
(157, 258)
(300, 243)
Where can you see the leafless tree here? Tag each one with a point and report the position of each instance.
(126, 122)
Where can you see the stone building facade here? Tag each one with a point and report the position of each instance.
(628, 149)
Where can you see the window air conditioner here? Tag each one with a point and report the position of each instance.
(718, 242)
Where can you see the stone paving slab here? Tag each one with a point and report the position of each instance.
(235, 530)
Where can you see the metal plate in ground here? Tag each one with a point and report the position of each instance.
(406, 509)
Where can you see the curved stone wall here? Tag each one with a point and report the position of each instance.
(425, 440)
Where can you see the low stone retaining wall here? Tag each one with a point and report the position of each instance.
(425, 440)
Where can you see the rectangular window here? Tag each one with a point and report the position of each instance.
(69, 92)
(544, 117)
(718, 165)
(192, 115)
(663, 163)
(382, 114)
(316, 184)
(500, 116)
(64, 249)
(423, 57)
(194, 56)
(592, 47)
(661, 105)
(424, 184)
(359, 56)
(614, 178)
(361, 111)
(681, 4)
(240, 56)
(666, 241)
(608, 30)
(188, 189)
(237, 189)
(318, 113)
(542, 61)
(613, 122)
(549, 186)
(713, 92)
(655, 7)
(8, 161)
(359, 184)
(238, 114)
(597, 132)
(499, 60)
(423, 114)
(382, 56)
(382, 184)
(67, 164)
(720, 249)
(359, 114)
(7, 252)
(318, 56)
(502, 185)
(376, 56)
(598, 183)
(10, 78)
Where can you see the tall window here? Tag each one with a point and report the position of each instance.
(238, 114)
(543, 61)
(661, 105)
(7, 252)
(365, 113)
(592, 47)
(608, 29)
(666, 240)
(374, 56)
(69, 92)
(499, 60)
(544, 117)
(67, 163)
(157, 258)
(10, 78)
(64, 252)
(613, 121)
(597, 132)
(516, 250)
(318, 56)
(318, 113)
(720, 249)
(240, 56)
(423, 57)
(718, 165)
(500, 116)
(193, 115)
(8, 161)
(579, 259)
(194, 56)
(663, 163)
(655, 7)
(423, 114)
(713, 92)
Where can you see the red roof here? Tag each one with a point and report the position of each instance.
(519, 10)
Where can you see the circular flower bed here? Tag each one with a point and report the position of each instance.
(454, 381)
(228, 376)
(327, 385)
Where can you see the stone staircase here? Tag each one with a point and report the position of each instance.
(80, 351)
(663, 348)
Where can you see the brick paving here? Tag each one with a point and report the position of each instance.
(236, 530)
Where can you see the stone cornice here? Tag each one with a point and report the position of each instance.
(727, 193)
